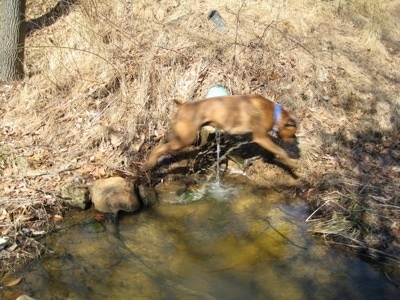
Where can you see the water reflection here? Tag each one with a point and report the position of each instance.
(246, 243)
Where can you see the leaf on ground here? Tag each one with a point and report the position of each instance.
(57, 218)
(3, 214)
(99, 172)
(85, 170)
(14, 282)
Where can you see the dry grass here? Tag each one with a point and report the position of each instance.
(101, 80)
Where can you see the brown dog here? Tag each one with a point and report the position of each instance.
(235, 115)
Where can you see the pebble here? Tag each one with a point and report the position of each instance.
(25, 297)
(3, 243)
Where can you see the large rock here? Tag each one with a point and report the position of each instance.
(114, 194)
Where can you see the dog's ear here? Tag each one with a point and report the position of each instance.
(177, 102)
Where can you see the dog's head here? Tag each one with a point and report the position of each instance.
(287, 127)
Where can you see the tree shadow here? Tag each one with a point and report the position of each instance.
(367, 179)
(62, 8)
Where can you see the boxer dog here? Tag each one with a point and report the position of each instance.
(235, 115)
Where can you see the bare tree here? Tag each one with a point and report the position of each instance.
(12, 39)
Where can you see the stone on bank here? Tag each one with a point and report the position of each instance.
(114, 194)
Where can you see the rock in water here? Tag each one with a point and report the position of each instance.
(114, 194)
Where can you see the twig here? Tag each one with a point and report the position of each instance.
(315, 211)
(236, 32)
(80, 50)
(271, 25)
(265, 30)
(361, 245)
(200, 76)
(41, 174)
(289, 240)
(292, 39)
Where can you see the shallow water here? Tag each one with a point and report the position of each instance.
(218, 242)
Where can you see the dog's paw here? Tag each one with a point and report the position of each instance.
(291, 164)
(295, 166)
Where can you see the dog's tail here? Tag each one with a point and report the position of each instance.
(178, 102)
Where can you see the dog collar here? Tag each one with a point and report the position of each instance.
(277, 116)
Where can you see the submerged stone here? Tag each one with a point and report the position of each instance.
(92, 226)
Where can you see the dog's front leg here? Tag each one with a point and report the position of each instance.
(269, 145)
(175, 143)
(152, 161)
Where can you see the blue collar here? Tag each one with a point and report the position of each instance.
(277, 116)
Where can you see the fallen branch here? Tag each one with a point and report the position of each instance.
(40, 174)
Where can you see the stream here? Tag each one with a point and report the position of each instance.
(225, 241)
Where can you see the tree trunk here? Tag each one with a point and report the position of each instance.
(12, 39)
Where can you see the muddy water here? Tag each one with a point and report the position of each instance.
(238, 242)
